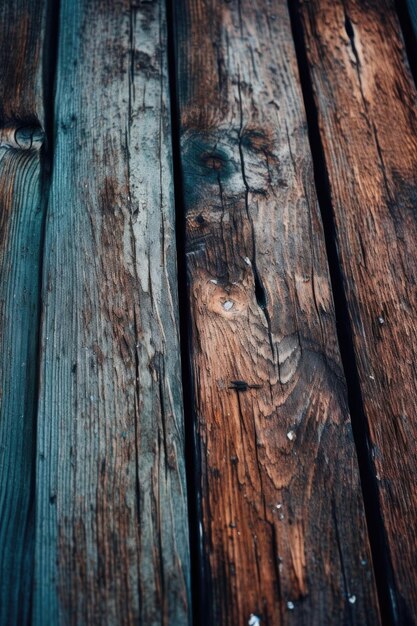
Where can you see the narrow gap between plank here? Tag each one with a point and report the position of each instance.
(409, 35)
(49, 59)
(376, 531)
(192, 448)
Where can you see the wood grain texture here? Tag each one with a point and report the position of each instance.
(112, 532)
(283, 531)
(22, 30)
(367, 114)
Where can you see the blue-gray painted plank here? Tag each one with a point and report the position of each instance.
(112, 533)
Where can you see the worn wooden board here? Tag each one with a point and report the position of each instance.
(366, 102)
(111, 524)
(283, 530)
(22, 32)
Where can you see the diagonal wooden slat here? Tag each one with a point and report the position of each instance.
(283, 530)
(367, 114)
(111, 523)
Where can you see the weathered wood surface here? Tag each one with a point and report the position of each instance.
(283, 530)
(111, 523)
(366, 102)
(93, 503)
(22, 26)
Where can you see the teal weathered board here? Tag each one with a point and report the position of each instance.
(111, 508)
(22, 27)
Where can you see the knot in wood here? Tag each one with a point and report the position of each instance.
(23, 137)
(213, 161)
(225, 299)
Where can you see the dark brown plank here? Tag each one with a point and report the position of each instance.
(22, 33)
(367, 114)
(112, 532)
(283, 530)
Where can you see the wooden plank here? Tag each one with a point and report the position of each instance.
(112, 532)
(412, 11)
(283, 530)
(367, 114)
(22, 30)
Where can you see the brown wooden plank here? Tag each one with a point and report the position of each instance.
(366, 102)
(283, 530)
(22, 33)
(112, 532)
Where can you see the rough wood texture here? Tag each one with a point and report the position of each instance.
(112, 533)
(367, 114)
(283, 529)
(21, 217)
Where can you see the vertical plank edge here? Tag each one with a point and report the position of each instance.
(193, 462)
